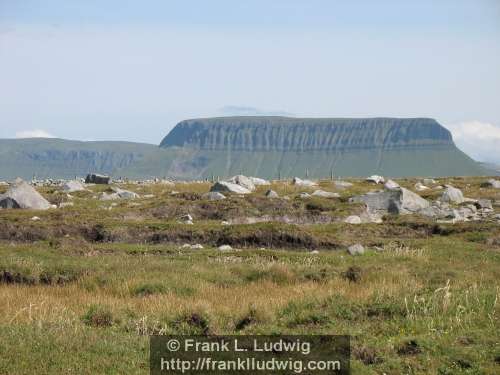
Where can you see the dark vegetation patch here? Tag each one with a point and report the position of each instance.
(247, 320)
(195, 323)
(368, 356)
(411, 347)
(45, 277)
(98, 316)
(352, 274)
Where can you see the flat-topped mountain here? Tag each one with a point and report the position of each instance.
(284, 146)
(306, 134)
(268, 147)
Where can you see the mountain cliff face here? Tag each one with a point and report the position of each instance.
(296, 134)
(268, 147)
(281, 146)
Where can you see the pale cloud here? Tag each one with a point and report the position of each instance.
(35, 133)
(480, 140)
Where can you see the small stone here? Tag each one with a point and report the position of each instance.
(271, 194)
(35, 218)
(356, 249)
(224, 248)
(353, 219)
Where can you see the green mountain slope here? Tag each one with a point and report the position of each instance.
(267, 147)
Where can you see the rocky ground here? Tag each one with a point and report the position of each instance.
(409, 268)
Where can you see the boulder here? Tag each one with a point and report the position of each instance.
(353, 219)
(400, 201)
(304, 195)
(259, 181)
(307, 183)
(244, 181)
(492, 183)
(229, 187)
(97, 179)
(420, 187)
(342, 184)
(213, 196)
(429, 181)
(186, 219)
(325, 194)
(356, 249)
(452, 195)
(22, 195)
(375, 179)
(125, 194)
(391, 185)
(72, 186)
(271, 194)
(108, 197)
(484, 203)
(224, 248)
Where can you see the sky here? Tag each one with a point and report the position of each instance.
(130, 70)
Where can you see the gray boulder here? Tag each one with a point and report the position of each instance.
(429, 181)
(356, 249)
(259, 181)
(353, 219)
(375, 179)
(97, 179)
(452, 195)
(484, 203)
(492, 183)
(271, 194)
(229, 187)
(325, 194)
(400, 201)
(72, 186)
(244, 181)
(214, 196)
(125, 194)
(391, 185)
(307, 183)
(22, 195)
(342, 184)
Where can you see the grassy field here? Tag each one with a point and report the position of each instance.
(82, 288)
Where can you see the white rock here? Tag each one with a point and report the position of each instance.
(299, 182)
(356, 249)
(376, 179)
(353, 219)
(452, 195)
(325, 194)
(259, 181)
(72, 186)
(243, 181)
(35, 218)
(224, 248)
(229, 187)
(214, 196)
(391, 185)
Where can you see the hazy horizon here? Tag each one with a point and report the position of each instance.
(121, 70)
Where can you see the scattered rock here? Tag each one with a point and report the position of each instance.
(314, 252)
(484, 203)
(391, 185)
(72, 186)
(375, 179)
(225, 248)
(453, 195)
(259, 181)
(225, 223)
(429, 181)
(353, 220)
(186, 219)
(356, 249)
(307, 183)
(304, 195)
(491, 183)
(66, 204)
(400, 201)
(243, 181)
(97, 179)
(125, 194)
(342, 184)
(22, 195)
(325, 194)
(213, 196)
(420, 187)
(271, 194)
(35, 218)
(229, 187)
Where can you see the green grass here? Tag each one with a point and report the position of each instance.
(423, 298)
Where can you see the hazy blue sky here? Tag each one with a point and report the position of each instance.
(130, 70)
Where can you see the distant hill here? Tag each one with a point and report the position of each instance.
(261, 146)
(273, 146)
